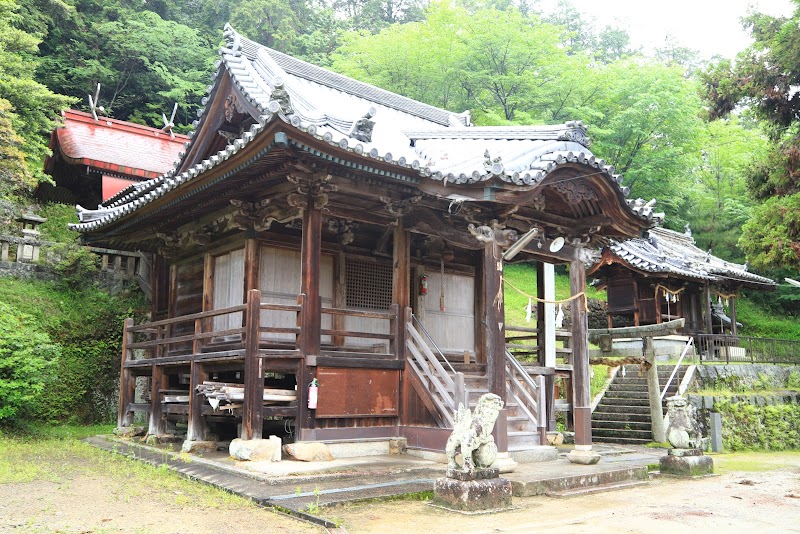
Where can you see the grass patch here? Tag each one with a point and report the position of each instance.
(57, 455)
(755, 461)
(523, 276)
(598, 378)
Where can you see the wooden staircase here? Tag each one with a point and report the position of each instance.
(444, 385)
(623, 415)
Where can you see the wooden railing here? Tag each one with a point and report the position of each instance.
(523, 342)
(194, 336)
(529, 394)
(442, 390)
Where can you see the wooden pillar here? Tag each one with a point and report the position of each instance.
(338, 322)
(494, 325)
(197, 425)
(580, 356)
(127, 381)
(158, 381)
(401, 299)
(494, 335)
(253, 407)
(311, 320)
(252, 257)
(709, 320)
(734, 329)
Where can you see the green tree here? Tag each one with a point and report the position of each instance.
(28, 109)
(765, 80)
(143, 62)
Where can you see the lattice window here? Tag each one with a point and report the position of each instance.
(369, 285)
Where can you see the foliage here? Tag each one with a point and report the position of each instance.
(86, 328)
(718, 202)
(55, 227)
(143, 62)
(747, 427)
(762, 318)
(764, 78)
(27, 107)
(27, 357)
(76, 267)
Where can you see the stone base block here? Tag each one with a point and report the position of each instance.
(583, 457)
(129, 431)
(199, 447)
(308, 451)
(162, 439)
(478, 474)
(686, 466)
(472, 495)
(685, 452)
(256, 449)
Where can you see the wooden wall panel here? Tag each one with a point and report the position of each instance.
(453, 329)
(348, 393)
(228, 287)
(279, 280)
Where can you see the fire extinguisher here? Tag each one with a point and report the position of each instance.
(313, 388)
(423, 284)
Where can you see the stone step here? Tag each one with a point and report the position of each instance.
(622, 408)
(626, 394)
(622, 433)
(620, 440)
(621, 416)
(574, 492)
(600, 424)
(624, 401)
(561, 483)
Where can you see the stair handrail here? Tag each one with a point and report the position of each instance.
(451, 389)
(438, 350)
(677, 365)
(534, 408)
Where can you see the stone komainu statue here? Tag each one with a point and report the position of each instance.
(683, 431)
(472, 435)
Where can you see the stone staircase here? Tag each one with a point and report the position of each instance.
(623, 414)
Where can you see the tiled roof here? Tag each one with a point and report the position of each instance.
(669, 252)
(113, 145)
(413, 137)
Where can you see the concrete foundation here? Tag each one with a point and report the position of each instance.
(481, 491)
(686, 463)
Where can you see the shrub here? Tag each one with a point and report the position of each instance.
(76, 268)
(772, 427)
(27, 358)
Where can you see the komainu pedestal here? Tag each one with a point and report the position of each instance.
(480, 491)
(472, 485)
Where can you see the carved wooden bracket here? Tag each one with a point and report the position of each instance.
(172, 244)
(312, 190)
(344, 229)
(232, 106)
(259, 216)
(493, 232)
(400, 208)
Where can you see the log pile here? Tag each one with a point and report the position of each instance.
(228, 396)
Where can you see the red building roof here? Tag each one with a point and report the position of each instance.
(112, 145)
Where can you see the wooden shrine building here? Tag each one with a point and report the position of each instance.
(93, 159)
(321, 228)
(664, 276)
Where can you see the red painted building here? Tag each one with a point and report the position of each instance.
(95, 159)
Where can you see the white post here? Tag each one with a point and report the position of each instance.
(549, 315)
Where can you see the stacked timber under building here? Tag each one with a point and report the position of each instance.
(321, 230)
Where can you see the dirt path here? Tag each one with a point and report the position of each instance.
(74, 488)
(736, 501)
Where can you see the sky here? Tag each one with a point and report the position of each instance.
(709, 26)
